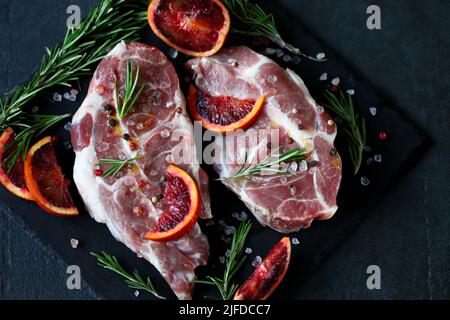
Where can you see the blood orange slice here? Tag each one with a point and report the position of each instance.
(194, 27)
(13, 180)
(223, 114)
(181, 206)
(46, 181)
(268, 275)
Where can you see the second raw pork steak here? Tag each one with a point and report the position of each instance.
(285, 203)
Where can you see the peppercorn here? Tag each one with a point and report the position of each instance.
(126, 137)
(112, 122)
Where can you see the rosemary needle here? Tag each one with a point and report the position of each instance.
(110, 22)
(116, 165)
(130, 95)
(134, 280)
(268, 165)
(227, 288)
(354, 128)
(253, 21)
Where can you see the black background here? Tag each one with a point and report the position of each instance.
(408, 237)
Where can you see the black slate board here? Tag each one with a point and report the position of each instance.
(403, 146)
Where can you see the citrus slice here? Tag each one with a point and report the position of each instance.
(181, 206)
(223, 114)
(13, 180)
(268, 274)
(46, 181)
(194, 27)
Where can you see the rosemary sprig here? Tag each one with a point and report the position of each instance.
(116, 165)
(31, 127)
(130, 96)
(355, 126)
(110, 22)
(268, 165)
(134, 280)
(234, 262)
(253, 21)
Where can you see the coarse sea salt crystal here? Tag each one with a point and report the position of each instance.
(320, 55)
(293, 190)
(227, 253)
(248, 250)
(57, 97)
(68, 126)
(377, 158)
(210, 223)
(173, 53)
(367, 149)
(66, 95)
(287, 58)
(225, 239)
(280, 53)
(296, 59)
(270, 51)
(74, 243)
(303, 165)
(74, 92)
(295, 241)
(165, 133)
(369, 160)
(351, 92)
(336, 81)
(256, 261)
(365, 181)
(35, 109)
(373, 111)
(136, 293)
(72, 98)
(222, 259)
(323, 76)
(243, 216)
(235, 215)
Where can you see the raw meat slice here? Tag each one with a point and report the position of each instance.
(124, 202)
(285, 203)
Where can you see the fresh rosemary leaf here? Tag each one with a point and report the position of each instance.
(116, 165)
(355, 126)
(31, 127)
(130, 95)
(253, 21)
(133, 280)
(227, 288)
(268, 165)
(110, 22)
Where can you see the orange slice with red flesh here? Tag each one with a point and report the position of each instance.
(268, 275)
(195, 27)
(13, 180)
(223, 114)
(181, 206)
(45, 180)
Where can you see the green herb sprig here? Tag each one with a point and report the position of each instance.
(268, 165)
(133, 280)
(226, 286)
(31, 127)
(354, 128)
(253, 21)
(130, 94)
(110, 22)
(116, 165)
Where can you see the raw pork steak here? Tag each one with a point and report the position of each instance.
(285, 203)
(124, 202)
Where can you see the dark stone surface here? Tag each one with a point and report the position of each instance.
(407, 61)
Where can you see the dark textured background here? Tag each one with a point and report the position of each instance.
(408, 237)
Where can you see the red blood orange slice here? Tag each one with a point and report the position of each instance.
(46, 181)
(268, 275)
(223, 114)
(181, 206)
(194, 27)
(13, 180)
